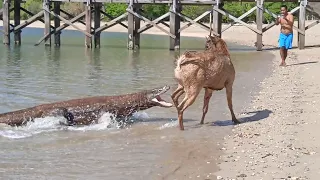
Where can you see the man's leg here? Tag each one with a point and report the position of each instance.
(283, 54)
(282, 46)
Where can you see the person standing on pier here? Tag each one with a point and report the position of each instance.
(286, 33)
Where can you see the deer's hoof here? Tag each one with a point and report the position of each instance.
(235, 121)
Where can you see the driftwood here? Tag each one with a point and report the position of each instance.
(210, 69)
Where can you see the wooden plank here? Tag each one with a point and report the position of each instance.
(71, 16)
(75, 19)
(195, 20)
(47, 22)
(312, 24)
(112, 22)
(294, 10)
(240, 18)
(57, 40)
(217, 21)
(175, 25)
(59, 29)
(196, 23)
(31, 14)
(270, 13)
(17, 34)
(6, 22)
(150, 22)
(28, 21)
(315, 14)
(164, 23)
(131, 32)
(69, 22)
(301, 25)
(237, 20)
(97, 14)
(157, 21)
(111, 17)
(268, 26)
(137, 22)
(259, 22)
(88, 39)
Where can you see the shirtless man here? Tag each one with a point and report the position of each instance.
(286, 33)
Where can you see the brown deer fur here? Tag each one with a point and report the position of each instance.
(210, 69)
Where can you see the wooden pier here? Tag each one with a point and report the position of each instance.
(51, 8)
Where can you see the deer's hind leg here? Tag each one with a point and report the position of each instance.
(206, 99)
(191, 94)
(176, 94)
(229, 99)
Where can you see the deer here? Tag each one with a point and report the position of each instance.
(210, 69)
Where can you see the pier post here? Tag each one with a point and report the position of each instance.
(217, 18)
(130, 44)
(133, 26)
(88, 40)
(175, 25)
(56, 10)
(47, 26)
(6, 22)
(17, 34)
(97, 14)
(301, 24)
(259, 19)
(137, 21)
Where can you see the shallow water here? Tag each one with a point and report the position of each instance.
(151, 147)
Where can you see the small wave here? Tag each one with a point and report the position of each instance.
(140, 115)
(169, 124)
(49, 124)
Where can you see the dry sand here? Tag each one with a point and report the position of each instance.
(279, 139)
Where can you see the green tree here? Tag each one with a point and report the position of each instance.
(154, 11)
(115, 9)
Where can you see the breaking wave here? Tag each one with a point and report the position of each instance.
(50, 124)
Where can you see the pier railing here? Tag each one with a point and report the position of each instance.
(93, 9)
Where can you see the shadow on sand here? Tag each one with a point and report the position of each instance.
(272, 47)
(302, 63)
(257, 116)
(161, 120)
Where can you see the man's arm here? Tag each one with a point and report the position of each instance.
(289, 20)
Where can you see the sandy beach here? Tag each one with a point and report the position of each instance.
(278, 139)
